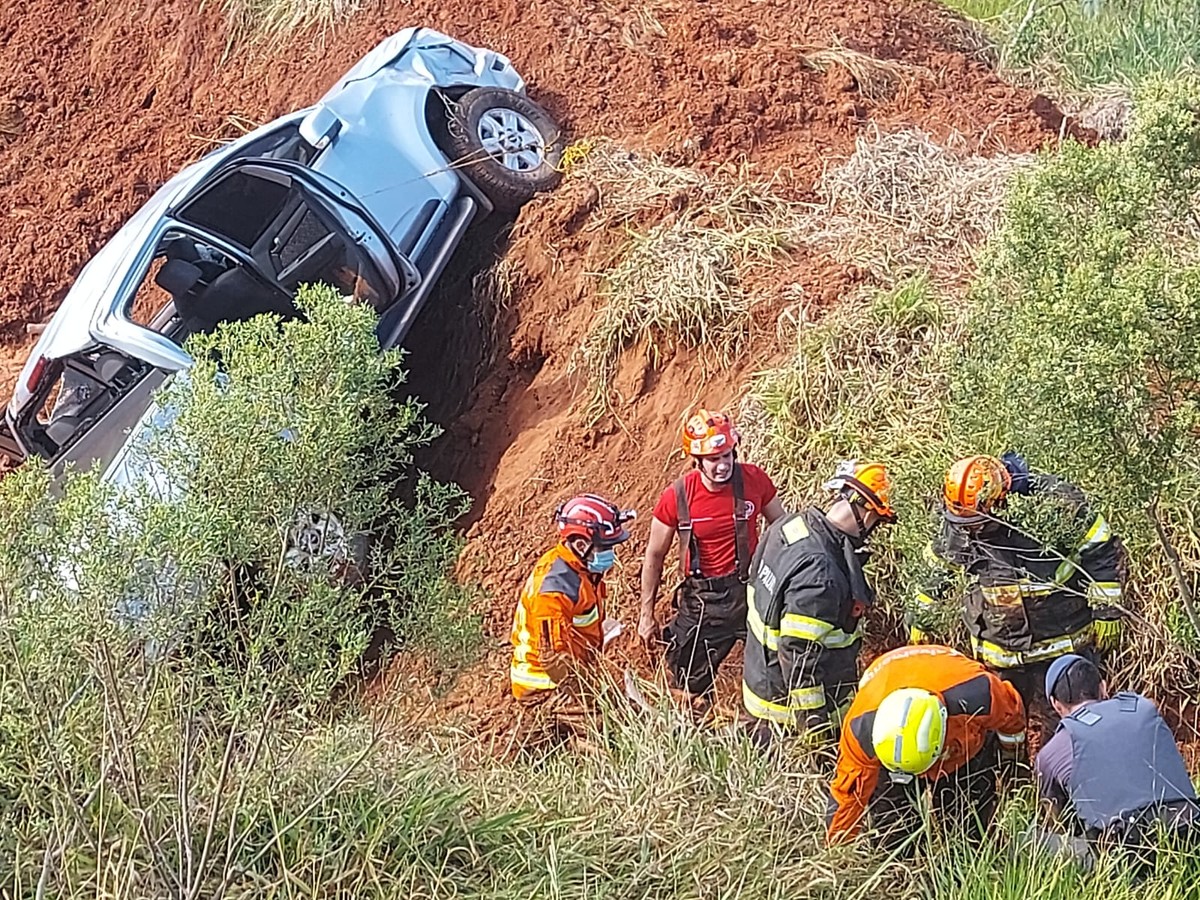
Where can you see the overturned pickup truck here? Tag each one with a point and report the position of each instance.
(370, 191)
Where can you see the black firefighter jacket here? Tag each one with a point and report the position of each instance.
(1027, 602)
(806, 595)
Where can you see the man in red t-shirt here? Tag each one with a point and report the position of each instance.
(715, 509)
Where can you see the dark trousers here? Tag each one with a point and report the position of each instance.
(963, 802)
(1169, 827)
(710, 617)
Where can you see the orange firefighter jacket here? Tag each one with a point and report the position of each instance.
(977, 703)
(559, 597)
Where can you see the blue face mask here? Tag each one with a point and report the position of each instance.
(602, 560)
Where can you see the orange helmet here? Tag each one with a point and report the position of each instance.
(867, 484)
(974, 486)
(594, 518)
(709, 434)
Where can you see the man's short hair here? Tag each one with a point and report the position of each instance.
(1079, 681)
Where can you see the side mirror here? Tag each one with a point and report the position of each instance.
(320, 127)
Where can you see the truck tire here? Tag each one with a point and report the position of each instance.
(506, 144)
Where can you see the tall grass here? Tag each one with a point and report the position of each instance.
(1086, 44)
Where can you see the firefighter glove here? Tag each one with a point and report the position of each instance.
(1107, 633)
(816, 729)
(1018, 470)
(556, 663)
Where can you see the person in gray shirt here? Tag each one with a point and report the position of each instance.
(1112, 770)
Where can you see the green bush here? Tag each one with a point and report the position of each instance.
(868, 381)
(169, 662)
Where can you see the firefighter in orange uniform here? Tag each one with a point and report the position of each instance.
(924, 715)
(559, 622)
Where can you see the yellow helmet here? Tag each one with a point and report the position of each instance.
(909, 730)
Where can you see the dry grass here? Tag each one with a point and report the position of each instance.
(677, 282)
(686, 240)
(232, 127)
(642, 29)
(877, 79)
(1108, 113)
(272, 18)
(903, 203)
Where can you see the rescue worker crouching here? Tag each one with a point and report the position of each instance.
(923, 716)
(807, 596)
(560, 617)
(1112, 772)
(715, 509)
(1028, 601)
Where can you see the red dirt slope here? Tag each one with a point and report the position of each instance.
(114, 100)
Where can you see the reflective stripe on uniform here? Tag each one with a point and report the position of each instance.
(805, 627)
(924, 599)
(1010, 740)
(838, 639)
(588, 618)
(999, 657)
(1037, 588)
(524, 675)
(765, 709)
(1099, 533)
(819, 632)
(1103, 593)
(807, 698)
(768, 637)
(930, 556)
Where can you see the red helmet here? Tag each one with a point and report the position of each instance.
(594, 518)
(709, 434)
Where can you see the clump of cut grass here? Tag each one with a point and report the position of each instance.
(232, 127)
(904, 203)
(270, 18)
(877, 79)
(12, 120)
(641, 28)
(676, 284)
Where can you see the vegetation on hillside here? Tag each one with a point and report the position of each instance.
(173, 712)
(261, 19)
(1076, 345)
(172, 652)
(1085, 45)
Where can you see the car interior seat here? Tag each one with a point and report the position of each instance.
(178, 277)
(235, 294)
(64, 428)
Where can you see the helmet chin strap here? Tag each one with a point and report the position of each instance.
(864, 530)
